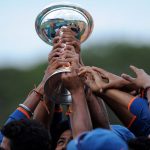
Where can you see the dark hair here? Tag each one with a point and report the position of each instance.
(2, 148)
(27, 135)
(140, 143)
(58, 130)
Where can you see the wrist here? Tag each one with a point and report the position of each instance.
(77, 90)
(40, 88)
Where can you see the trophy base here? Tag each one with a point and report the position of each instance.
(54, 88)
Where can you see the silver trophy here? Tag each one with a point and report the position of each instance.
(47, 23)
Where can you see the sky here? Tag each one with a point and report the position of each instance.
(114, 20)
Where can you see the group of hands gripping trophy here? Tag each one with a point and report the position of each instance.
(66, 52)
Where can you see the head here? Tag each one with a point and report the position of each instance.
(63, 140)
(25, 135)
(61, 135)
(98, 139)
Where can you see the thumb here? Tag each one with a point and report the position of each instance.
(127, 77)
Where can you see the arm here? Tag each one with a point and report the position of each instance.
(119, 97)
(142, 80)
(80, 117)
(44, 110)
(116, 99)
(111, 80)
(97, 110)
(96, 83)
(31, 102)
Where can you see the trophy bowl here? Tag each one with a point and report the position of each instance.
(47, 23)
(53, 17)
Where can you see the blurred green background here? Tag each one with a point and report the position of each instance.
(115, 57)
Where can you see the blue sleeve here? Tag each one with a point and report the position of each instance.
(141, 126)
(140, 109)
(122, 132)
(16, 115)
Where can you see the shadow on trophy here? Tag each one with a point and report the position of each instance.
(48, 22)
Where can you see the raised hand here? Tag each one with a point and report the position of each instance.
(67, 36)
(72, 81)
(142, 79)
(57, 63)
(92, 78)
(113, 81)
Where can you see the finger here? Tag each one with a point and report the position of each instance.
(69, 47)
(64, 40)
(100, 70)
(58, 45)
(128, 77)
(92, 84)
(59, 63)
(96, 76)
(76, 45)
(75, 42)
(82, 73)
(67, 31)
(66, 51)
(56, 40)
(73, 62)
(55, 54)
(54, 59)
(83, 70)
(85, 67)
(55, 50)
(136, 70)
(55, 65)
(65, 35)
(67, 55)
(98, 80)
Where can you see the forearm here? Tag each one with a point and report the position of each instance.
(119, 97)
(121, 112)
(80, 117)
(44, 113)
(97, 111)
(33, 99)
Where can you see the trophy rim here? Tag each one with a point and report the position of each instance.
(57, 6)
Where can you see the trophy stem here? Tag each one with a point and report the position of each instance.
(54, 88)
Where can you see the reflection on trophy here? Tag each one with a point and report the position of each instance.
(48, 22)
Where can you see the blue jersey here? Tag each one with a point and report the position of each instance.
(122, 132)
(141, 121)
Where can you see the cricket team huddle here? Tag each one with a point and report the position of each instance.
(38, 123)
